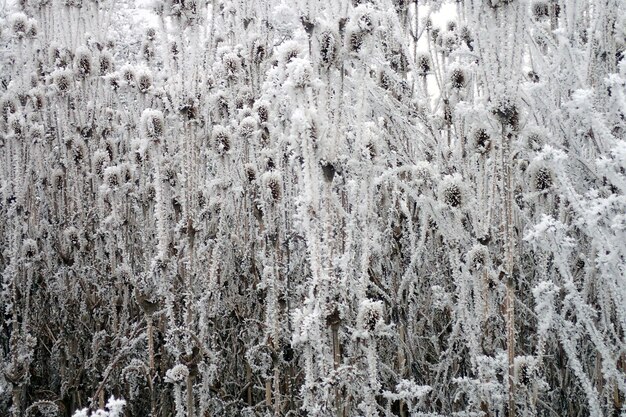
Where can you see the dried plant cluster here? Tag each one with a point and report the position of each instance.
(339, 208)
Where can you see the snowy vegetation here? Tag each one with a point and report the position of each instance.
(313, 208)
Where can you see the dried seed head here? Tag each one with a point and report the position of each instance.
(128, 73)
(534, 141)
(482, 141)
(451, 26)
(355, 41)
(99, 162)
(152, 124)
(144, 80)
(112, 176)
(289, 51)
(540, 9)
(57, 180)
(258, 52)
(221, 140)
(457, 78)
(250, 172)
(370, 316)
(72, 238)
(232, 65)
(247, 127)
(541, 177)
(29, 248)
(477, 257)
(273, 185)
(423, 63)
(79, 151)
(451, 191)
(19, 24)
(62, 80)
(147, 51)
(178, 374)
(299, 72)
(82, 62)
(105, 62)
(151, 34)
(327, 47)
(262, 110)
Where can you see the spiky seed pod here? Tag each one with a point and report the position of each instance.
(177, 375)
(72, 239)
(273, 185)
(449, 43)
(9, 107)
(477, 257)
(112, 176)
(355, 41)
(152, 124)
(458, 78)
(29, 248)
(62, 80)
(327, 47)
(82, 62)
(36, 132)
(540, 9)
(147, 51)
(467, 37)
(169, 176)
(258, 52)
(534, 141)
(451, 26)
(250, 172)
(299, 72)
(507, 113)
(99, 162)
(232, 65)
(262, 110)
(289, 51)
(57, 179)
(128, 73)
(369, 317)
(16, 124)
(114, 81)
(79, 151)
(482, 141)
(19, 24)
(105, 64)
(221, 140)
(151, 34)
(144, 81)
(541, 178)
(247, 127)
(451, 191)
(33, 29)
(126, 172)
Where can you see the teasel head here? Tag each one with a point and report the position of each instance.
(273, 184)
(328, 47)
(144, 80)
(82, 62)
(289, 51)
(541, 176)
(129, 74)
(72, 240)
(148, 51)
(458, 78)
(63, 80)
(29, 248)
(481, 140)
(477, 258)
(221, 140)
(105, 63)
(152, 124)
(259, 52)
(369, 317)
(540, 9)
(57, 179)
(355, 40)
(19, 24)
(262, 111)
(250, 173)
(247, 127)
(232, 65)
(112, 177)
(451, 191)
(79, 151)
(99, 162)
